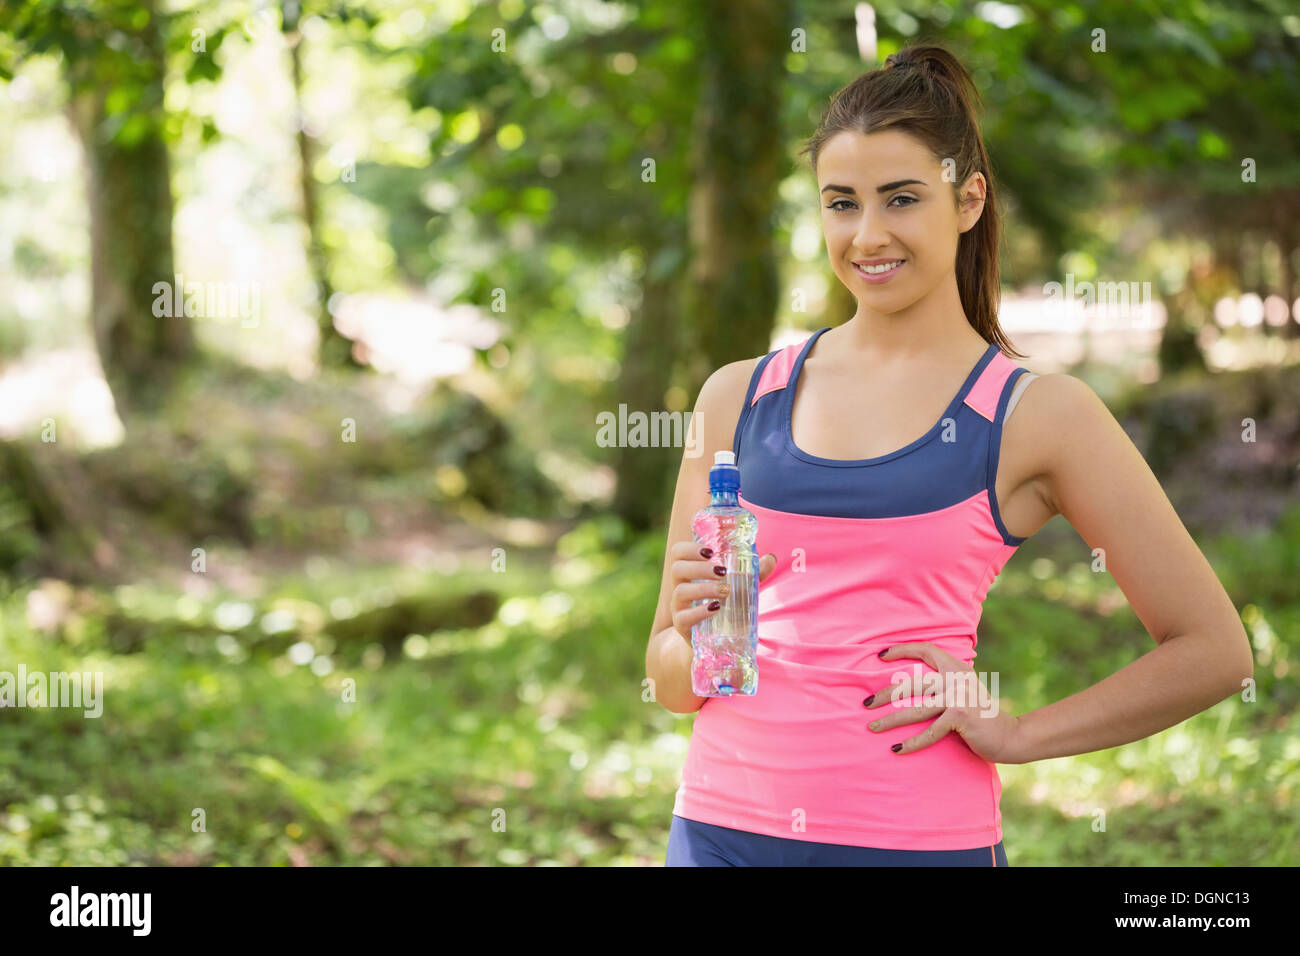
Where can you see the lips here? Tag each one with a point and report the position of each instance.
(876, 269)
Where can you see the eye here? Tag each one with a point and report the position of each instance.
(911, 200)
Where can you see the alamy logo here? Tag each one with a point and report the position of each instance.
(56, 689)
(209, 300)
(977, 689)
(102, 909)
(656, 430)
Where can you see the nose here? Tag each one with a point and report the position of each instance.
(871, 235)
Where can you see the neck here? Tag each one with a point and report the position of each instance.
(934, 324)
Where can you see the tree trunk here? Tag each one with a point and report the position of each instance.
(129, 193)
(1179, 350)
(643, 494)
(1287, 236)
(736, 168)
(334, 350)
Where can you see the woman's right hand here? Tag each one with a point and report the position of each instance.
(691, 562)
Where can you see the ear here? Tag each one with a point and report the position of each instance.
(971, 206)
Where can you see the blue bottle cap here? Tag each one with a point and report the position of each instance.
(724, 475)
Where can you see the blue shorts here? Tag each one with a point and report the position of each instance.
(702, 844)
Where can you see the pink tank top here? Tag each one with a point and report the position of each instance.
(872, 553)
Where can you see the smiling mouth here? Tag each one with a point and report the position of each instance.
(879, 270)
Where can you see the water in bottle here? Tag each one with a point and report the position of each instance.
(725, 644)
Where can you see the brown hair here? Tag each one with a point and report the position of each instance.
(925, 91)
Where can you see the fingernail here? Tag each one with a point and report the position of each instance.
(719, 570)
(883, 653)
(867, 702)
(706, 552)
(714, 605)
(896, 748)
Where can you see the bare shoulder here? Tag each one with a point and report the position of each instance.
(1086, 461)
(1056, 397)
(722, 396)
(1057, 418)
(1060, 387)
(730, 379)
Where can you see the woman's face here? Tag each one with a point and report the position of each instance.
(884, 197)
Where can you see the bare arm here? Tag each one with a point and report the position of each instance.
(1097, 479)
(668, 653)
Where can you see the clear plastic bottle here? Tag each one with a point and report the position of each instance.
(725, 644)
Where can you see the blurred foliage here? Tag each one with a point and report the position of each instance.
(1180, 421)
(465, 435)
(196, 494)
(18, 538)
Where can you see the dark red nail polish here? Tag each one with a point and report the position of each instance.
(896, 748)
(882, 653)
(714, 605)
(719, 570)
(867, 702)
(706, 552)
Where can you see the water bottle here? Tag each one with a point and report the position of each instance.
(725, 644)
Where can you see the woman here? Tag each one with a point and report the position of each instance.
(891, 485)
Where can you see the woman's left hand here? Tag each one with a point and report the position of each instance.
(990, 735)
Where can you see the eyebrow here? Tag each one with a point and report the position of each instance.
(880, 189)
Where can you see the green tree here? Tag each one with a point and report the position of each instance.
(114, 60)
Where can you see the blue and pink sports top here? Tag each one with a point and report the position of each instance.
(871, 553)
